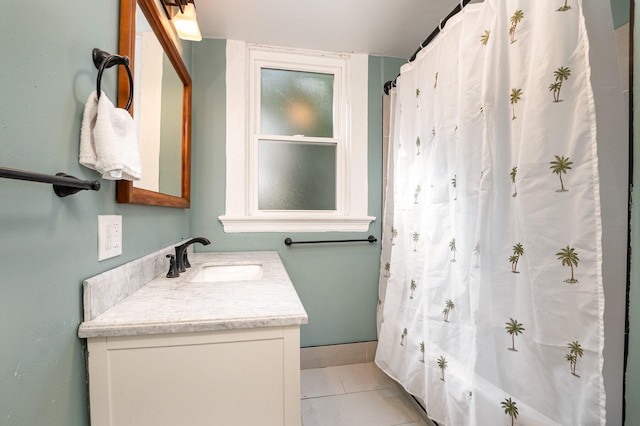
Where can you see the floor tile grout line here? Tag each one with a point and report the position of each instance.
(347, 393)
(344, 388)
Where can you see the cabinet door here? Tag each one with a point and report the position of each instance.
(219, 379)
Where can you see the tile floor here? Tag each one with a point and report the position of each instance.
(354, 395)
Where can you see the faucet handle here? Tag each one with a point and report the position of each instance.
(173, 267)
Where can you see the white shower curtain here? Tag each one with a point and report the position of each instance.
(491, 299)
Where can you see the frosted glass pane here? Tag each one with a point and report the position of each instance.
(296, 103)
(296, 176)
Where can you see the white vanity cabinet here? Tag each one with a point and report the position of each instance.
(217, 351)
(235, 377)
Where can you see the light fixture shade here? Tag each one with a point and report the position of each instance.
(186, 24)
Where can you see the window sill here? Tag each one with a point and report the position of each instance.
(306, 223)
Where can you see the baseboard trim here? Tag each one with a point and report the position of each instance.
(343, 354)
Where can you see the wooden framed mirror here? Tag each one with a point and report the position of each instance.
(170, 183)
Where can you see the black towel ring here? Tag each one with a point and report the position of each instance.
(102, 60)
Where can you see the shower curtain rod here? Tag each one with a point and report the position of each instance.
(392, 83)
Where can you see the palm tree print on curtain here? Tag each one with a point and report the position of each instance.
(394, 234)
(513, 174)
(561, 74)
(452, 247)
(387, 270)
(448, 306)
(454, 183)
(564, 8)
(510, 409)
(513, 328)
(416, 194)
(442, 365)
(418, 145)
(560, 166)
(518, 15)
(416, 238)
(422, 352)
(476, 254)
(413, 287)
(575, 352)
(569, 257)
(403, 336)
(484, 38)
(516, 95)
(518, 251)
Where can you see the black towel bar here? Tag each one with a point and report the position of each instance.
(102, 60)
(370, 239)
(63, 184)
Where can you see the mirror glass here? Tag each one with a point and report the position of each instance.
(157, 112)
(161, 106)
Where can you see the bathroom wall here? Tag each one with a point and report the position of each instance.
(49, 244)
(621, 11)
(338, 284)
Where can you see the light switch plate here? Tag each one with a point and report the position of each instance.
(109, 236)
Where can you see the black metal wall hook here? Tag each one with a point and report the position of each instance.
(102, 60)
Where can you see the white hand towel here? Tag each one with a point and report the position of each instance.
(88, 156)
(108, 140)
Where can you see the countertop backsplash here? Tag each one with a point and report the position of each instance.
(105, 290)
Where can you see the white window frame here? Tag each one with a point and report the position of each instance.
(244, 62)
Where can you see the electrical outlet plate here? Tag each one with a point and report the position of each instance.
(109, 236)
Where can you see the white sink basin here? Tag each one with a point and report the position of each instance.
(227, 272)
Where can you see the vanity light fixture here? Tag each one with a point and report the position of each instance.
(184, 19)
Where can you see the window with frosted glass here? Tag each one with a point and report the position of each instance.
(295, 173)
(296, 103)
(296, 176)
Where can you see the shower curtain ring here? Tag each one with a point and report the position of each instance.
(440, 26)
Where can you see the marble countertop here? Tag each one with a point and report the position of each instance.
(175, 305)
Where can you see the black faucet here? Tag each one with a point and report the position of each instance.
(181, 252)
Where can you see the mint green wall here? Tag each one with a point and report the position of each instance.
(49, 244)
(620, 9)
(338, 284)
